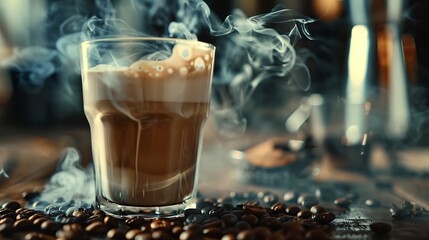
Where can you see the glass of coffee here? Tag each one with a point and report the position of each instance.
(146, 101)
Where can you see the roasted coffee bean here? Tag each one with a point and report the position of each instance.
(58, 200)
(177, 230)
(30, 195)
(11, 215)
(25, 214)
(213, 232)
(132, 233)
(238, 212)
(143, 236)
(115, 234)
(230, 219)
(271, 223)
(213, 222)
(160, 224)
(111, 222)
(72, 232)
(246, 235)
(98, 212)
(317, 209)
(242, 225)
(194, 218)
(250, 219)
(96, 228)
(12, 205)
(6, 228)
(286, 218)
(36, 216)
(38, 236)
(324, 218)
(343, 202)
(49, 226)
(134, 222)
(190, 235)
(191, 211)
(97, 218)
(23, 225)
(372, 203)
(317, 234)
(258, 211)
(304, 214)
(307, 201)
(38, 222)
(6, 210)
(294, 228)
(380, 227)
(9, 220)
(193, 227)
(278, 207)
(292, 210)
(268, 198)
(261, 232)
(229, 236)
(218, 211)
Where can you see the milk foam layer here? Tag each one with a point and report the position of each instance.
(187, 71)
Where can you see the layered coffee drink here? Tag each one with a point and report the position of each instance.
(146, 124)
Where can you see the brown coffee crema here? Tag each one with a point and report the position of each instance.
(146, 125)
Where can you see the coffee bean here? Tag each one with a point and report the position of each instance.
(398, 213)
(111, 222)
(160, 224)
(134, 222)
(12, 205)
(194, 218)
(11, 215)
(304, 214)
(6, 228)
(132, 233)
(271, 223)
(30, 195)
(317, 234)
(324, 218)
(49, 226)
(255, 210)
(94, 218)
(98, 212)
(143, 236)
(250, 219)
(261, 232)
(115, 234)
(58, 200)
(40, 205)
(343, 202)
(242, 225)
(38, 236)
(230, 219)
(286, 218)
(246, 235)
(278, 208)
(212, 232)
(214, 222)
(217, 211)
(380, 227)
(96, 228)
(229, 236)
(190, 235)
(23, 225)
(9, 220)
(72, 232)
(36, 216)
(307, 201)
(292, 210)
(317, 209)
(38, 222)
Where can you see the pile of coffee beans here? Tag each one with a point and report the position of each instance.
(239, 216)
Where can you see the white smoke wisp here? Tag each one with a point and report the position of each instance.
(71, 181)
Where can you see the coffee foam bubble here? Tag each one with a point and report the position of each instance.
(185, 76)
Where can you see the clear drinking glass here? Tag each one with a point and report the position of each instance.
(146, 101)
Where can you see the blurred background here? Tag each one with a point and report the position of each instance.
(368, 63)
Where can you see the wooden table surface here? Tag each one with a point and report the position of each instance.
(28, 161)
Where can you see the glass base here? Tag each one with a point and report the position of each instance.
(156, 212)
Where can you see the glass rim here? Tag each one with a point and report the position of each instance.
(136, 39)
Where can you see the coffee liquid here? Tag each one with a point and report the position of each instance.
(146, 126)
